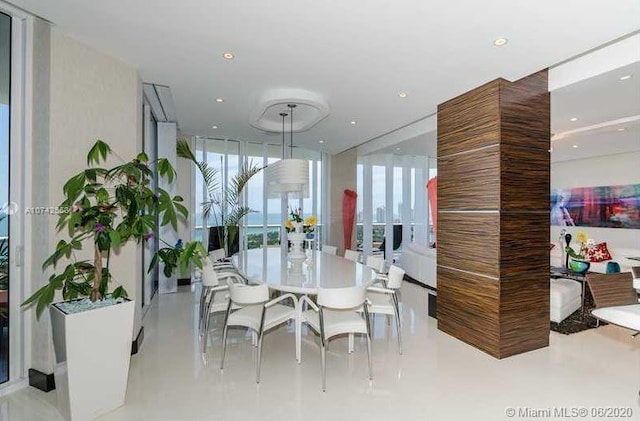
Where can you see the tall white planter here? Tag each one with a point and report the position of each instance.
(93, 350)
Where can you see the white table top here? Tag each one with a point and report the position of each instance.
(324, 270)
(623, 316)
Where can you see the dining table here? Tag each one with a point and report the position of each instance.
(272, 265)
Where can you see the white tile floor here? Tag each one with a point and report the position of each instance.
(438, 377)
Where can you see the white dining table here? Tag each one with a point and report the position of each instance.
(272, 266)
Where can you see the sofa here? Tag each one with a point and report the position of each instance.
(419, 262)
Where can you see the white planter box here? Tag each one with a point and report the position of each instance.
(93, 350)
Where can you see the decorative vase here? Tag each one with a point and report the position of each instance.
(296, 239)
(310, 236)
(579, 265)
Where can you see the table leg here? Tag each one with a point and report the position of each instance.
(583, 294)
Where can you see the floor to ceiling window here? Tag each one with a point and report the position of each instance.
(7, 208)
(392, 207)
(262, 227)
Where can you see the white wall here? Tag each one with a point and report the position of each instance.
(605, 170)
(90, 96)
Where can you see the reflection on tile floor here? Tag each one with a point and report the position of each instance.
(437, 378)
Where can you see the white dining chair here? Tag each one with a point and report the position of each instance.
(385, 300)
(376, 263)
(335, 314)
(329, 249)
(219, 260)
(257, 313)
(352, 255)
(214, 296)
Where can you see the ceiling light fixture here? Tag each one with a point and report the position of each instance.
(219, 100)
(573, 119)
(320, 141)
(575, 146)
(500, 42)
(288, 177)
(402, 94)
(353, 122)
(228, 55)
(214, 127)
(621, 129)
(397, 149)
(625, 77)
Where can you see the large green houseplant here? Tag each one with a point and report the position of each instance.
(106, 208)
(223, 202)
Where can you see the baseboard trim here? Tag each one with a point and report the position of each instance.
(137, 343)
(41, 381)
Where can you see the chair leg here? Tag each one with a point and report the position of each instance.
(203, 303)
(396, 309)
(369, 357)
(259, 362)
(323, 363)
(254, 338)
(224, 346)
(351, 343)
(205, 323)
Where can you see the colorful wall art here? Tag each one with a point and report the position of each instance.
(605, 206)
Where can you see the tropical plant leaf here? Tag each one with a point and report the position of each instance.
(98, 151)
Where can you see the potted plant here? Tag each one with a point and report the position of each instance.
(578, 262)
(104, 209)
(222, 202)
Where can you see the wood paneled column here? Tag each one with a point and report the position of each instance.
(493, 216)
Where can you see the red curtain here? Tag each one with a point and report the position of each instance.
(432, 188)
(349, 199)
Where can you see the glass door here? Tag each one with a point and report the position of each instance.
(7, 206)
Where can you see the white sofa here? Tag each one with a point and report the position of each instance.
(565, 297)
(419, 262)
(619, 255)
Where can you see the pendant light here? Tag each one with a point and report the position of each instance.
(288, 177)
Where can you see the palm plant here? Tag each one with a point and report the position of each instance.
(109, 207)
(223, 203)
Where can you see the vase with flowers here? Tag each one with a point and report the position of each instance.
(578, 261)
(298, 229)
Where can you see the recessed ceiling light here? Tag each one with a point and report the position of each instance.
(320, 141)
(219, 100)
(397, 149)
(228, 55)
(500, 42)
(353, 122)
(625, 77)
(573, 119)
(575, 146)
(402, 94)
(621, 129)
(214, 127)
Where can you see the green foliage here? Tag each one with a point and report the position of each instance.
(108, 208)
(224, 202)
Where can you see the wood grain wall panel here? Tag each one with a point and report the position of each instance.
(470, 241)
(470, 181)
(525, 112)
(468, 308)
(524, 316)
(493, 268)
(469, 121)
(524, 249)
(524, 179)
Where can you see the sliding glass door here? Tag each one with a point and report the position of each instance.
(7, 207)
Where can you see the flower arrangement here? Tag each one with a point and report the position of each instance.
(295, 222)
(584, 242)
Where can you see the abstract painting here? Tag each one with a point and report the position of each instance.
(605, 206)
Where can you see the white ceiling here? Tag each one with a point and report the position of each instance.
(601, 104)
(357, 54)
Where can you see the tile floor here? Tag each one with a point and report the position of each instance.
(438, 377)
